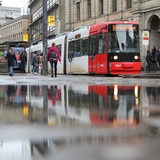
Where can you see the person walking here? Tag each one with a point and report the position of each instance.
(34, 63)
(23, 58)
(53, 57)
(149, 60)
(11, 60)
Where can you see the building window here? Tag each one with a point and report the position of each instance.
(78, 10)
(101, 7)
(114, 5)
(89, 8)
(129, 4)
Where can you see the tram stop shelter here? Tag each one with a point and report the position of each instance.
(4, 47)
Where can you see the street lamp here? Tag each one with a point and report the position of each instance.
(45, 23)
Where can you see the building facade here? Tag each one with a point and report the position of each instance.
(54, 8)
(146, 12)
(70, 14)
(9, 13)
(15, 29)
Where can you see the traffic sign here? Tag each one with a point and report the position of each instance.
(51, 20)
(145, 36)
(25, 37)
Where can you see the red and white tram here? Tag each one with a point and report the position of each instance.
(103, 48)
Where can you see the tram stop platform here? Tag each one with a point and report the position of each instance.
(145, 74)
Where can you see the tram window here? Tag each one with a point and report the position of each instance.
(93, 45)
(84, 46)
(71, 50)
(77, 51)
(102, 43)
(59, 48)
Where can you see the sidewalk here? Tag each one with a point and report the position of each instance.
(145, 74)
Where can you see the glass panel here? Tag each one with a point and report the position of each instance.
(123, 38)
(77, 51)
(84, 46)
(71, 50)
(59, 48)
(93, 47)
(102, 43)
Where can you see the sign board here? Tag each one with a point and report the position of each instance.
(145, 36)
(25, 37)
(51, 20)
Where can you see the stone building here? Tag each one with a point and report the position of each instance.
(54, 8)
(146, 12)
(15, 29)
(9, 13)
(71, 14)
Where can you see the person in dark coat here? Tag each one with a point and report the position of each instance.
(149, 60)
(23, 57)
(11, 59)
(54, 48)
(154, 52)
(34, 62)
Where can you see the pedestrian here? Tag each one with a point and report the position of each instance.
(34, 62)
(53, 57)
(158, 57)
(11, 60)
(154, 54)
(149, 60)
(18, 56)
(23, 58)
(40, 63)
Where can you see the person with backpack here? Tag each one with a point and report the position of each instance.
(53, 57)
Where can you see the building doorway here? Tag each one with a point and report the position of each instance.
(154, 28)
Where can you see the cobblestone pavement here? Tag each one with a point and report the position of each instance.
(36, 79)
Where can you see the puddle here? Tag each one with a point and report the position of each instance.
(92, 121)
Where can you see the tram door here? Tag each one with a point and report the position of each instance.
(97, 54)
(93, 50)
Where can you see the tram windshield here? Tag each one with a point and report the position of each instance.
(123, 38)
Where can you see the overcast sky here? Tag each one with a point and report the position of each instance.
(14, 3)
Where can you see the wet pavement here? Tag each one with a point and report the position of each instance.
(79, 117)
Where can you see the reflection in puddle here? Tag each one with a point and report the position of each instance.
(111, 107)
(77, 104)
(102, 105)
(72, 105)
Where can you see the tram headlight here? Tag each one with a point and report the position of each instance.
(115, 57)
(136, 57)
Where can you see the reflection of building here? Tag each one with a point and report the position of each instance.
(14, 30)
(87, 12)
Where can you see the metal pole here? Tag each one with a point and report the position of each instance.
(45, 33)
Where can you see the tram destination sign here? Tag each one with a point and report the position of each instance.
(124, 27)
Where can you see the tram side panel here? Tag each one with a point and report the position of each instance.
(77, 56)
(38, 49)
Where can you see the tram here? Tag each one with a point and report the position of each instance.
(103, 48)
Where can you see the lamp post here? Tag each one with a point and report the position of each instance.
(45, 23)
